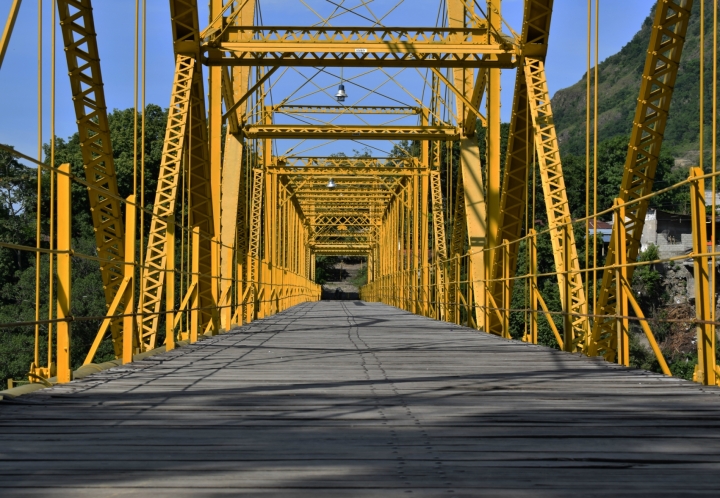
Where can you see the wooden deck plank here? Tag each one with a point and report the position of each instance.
(340, 399)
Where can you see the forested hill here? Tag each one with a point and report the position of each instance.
(619, 84)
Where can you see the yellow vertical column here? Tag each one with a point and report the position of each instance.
(64, 272)
(621, 303)
(706, 370)
(170, 285)
(493, 142)
(476, 216)
(533, 287)
(129, 342)
(402, 253)
(416, 265)
(215, 137)
(424, 236)
(507, 295)
(195, 282)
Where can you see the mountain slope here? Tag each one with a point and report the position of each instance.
(618, 86)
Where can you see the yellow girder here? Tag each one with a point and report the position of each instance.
(656, 89)
(350, 110)
(86, 84)
(277, 131)
(165, 199)
(254, 218)
(344, 162)
(362, 47)
(188, 111)
(520, 152)
(572, 292)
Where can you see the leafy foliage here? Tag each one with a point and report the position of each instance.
(324, 266)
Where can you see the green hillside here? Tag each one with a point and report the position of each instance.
(619, 84)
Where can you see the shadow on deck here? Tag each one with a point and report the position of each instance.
(360, 399)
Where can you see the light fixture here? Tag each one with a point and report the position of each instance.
(340, 96)
(331, 183)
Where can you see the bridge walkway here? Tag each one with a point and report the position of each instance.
(336, 399)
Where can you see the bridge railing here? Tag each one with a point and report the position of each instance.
(533, 305)
(56, 326)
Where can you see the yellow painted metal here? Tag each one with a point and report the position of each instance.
(130, 342)
(507, 295)
(656, 88)
(532, 337)
(214, 163)
(229, 97)
(389, 164)
(233, 182)
(186, 40)
(120, 303)
(170, 285)
(558, 210)
(476, 221)
(621, 277)
(478, 91)
(195, 303)
(520, 152)
(64, 272)
(462, 78)
(361, 47)
(457, 248)
(240, 100)
(438, 215)
(201, 207)
(164, 207)
(354, 110)
(88, 95)
(628, 293)
(255, 222)
(7, 31)
(705, 372)
(493, 152)
(463, 104)
(250, 221)
(277, 131)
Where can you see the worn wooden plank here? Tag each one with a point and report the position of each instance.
(357, 399)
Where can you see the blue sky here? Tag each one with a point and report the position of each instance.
(114, 20)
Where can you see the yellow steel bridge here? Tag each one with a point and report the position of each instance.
(220, 267)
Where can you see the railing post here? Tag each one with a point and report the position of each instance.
(129, 337)
(533, 287)
(64, 272)
(568, 336)
(458, 279)
(195, 282)
(507, 298)
(706, 370)
(170, 285)
(621, 273)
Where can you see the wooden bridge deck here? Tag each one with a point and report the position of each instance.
(338, 399)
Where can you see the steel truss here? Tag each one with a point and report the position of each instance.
(440, 230)
(362, 47)
(656, 89)
(86, 84)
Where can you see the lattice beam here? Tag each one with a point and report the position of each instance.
(86, 84)
(520, 153)
(558, 210)
(362, 47)
(656, 89)
(165, 200)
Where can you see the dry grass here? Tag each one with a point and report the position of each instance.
(681, 338)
